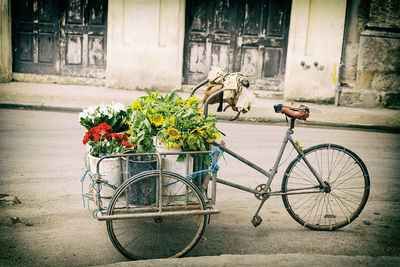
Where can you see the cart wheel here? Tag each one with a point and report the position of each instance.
(156, 236)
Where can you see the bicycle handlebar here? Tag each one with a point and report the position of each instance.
(198, 86)
(243, 82)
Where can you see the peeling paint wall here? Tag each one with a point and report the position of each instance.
(145, 44)
(5, 41)
(314, 49)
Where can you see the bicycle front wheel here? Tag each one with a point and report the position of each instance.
(156, 236)
(346, 175)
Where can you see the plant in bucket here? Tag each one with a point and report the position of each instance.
(171, 124)
(115, 115)
(103, 142)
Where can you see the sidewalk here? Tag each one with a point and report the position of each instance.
(278, 260)
(74, 97)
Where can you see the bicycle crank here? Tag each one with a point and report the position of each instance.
(257, 220)
(261, 188)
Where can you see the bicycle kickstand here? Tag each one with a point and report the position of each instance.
(256, 221)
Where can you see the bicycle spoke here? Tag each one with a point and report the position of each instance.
(333, 213)
(316, 213)
(350, 192)
(305, 167)
(348, 188)
(157, 237)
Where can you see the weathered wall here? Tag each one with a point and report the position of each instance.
(145, 44)
(314, 49)
(358, 18)
(374, 80)
(5, 41)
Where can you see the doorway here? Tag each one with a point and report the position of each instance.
(65, 38)
(247, 36)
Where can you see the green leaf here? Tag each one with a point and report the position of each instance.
(181, 158)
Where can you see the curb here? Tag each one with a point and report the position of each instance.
(226, 118)
(38, 107)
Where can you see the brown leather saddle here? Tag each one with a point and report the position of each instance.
(301, 112)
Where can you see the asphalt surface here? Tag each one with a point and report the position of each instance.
(74, 98)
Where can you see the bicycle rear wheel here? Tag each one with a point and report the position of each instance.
(157, 236)
(349, 183)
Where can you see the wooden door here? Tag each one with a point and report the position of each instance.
(83, 38)
(35, 39)
(60, 37)
(247, 36)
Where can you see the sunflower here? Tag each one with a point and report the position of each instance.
(172, 120)
(190, 101)
(198, 131)
(173, 133)
(216, 135)
(158, 120)
(136, 105)
(131, 133)
(176, 144)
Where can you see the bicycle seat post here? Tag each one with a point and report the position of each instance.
(292, 120)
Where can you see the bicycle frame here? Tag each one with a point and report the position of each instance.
(271, 174)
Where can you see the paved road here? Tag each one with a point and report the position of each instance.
(42, 160)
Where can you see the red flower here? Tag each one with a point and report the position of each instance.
(117, 137)
(86, 138)
(127, 144)
(101, 131)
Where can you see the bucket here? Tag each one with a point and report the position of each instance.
(110, 170)
(143, 192)
(170, 163)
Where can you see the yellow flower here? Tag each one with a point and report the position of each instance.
(158, 120)
(136, 105)
(173, 144)
(172, 120)
(131, 133)
(179, 102)
(176, 145)
(198, 130)
(190, 101)
(173, 133)
(216, 135)
(209, 140)
(168, 145)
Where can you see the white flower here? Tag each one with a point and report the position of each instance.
(117, 107)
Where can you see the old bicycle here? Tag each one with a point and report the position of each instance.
(158, 213)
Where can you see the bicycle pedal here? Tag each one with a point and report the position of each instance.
(256, 221)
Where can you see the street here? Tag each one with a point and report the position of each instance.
(42, 164)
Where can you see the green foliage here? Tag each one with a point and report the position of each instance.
(106, 147)
(176, 122)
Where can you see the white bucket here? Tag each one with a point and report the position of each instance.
(110, 170)
(170, 163)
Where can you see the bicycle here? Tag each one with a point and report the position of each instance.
(158, 213)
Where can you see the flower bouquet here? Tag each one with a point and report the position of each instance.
(103, 141)
(114, 115)
(176, 122)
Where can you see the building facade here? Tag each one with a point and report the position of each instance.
(308, 50)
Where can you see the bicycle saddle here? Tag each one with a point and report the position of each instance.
(301, 112)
